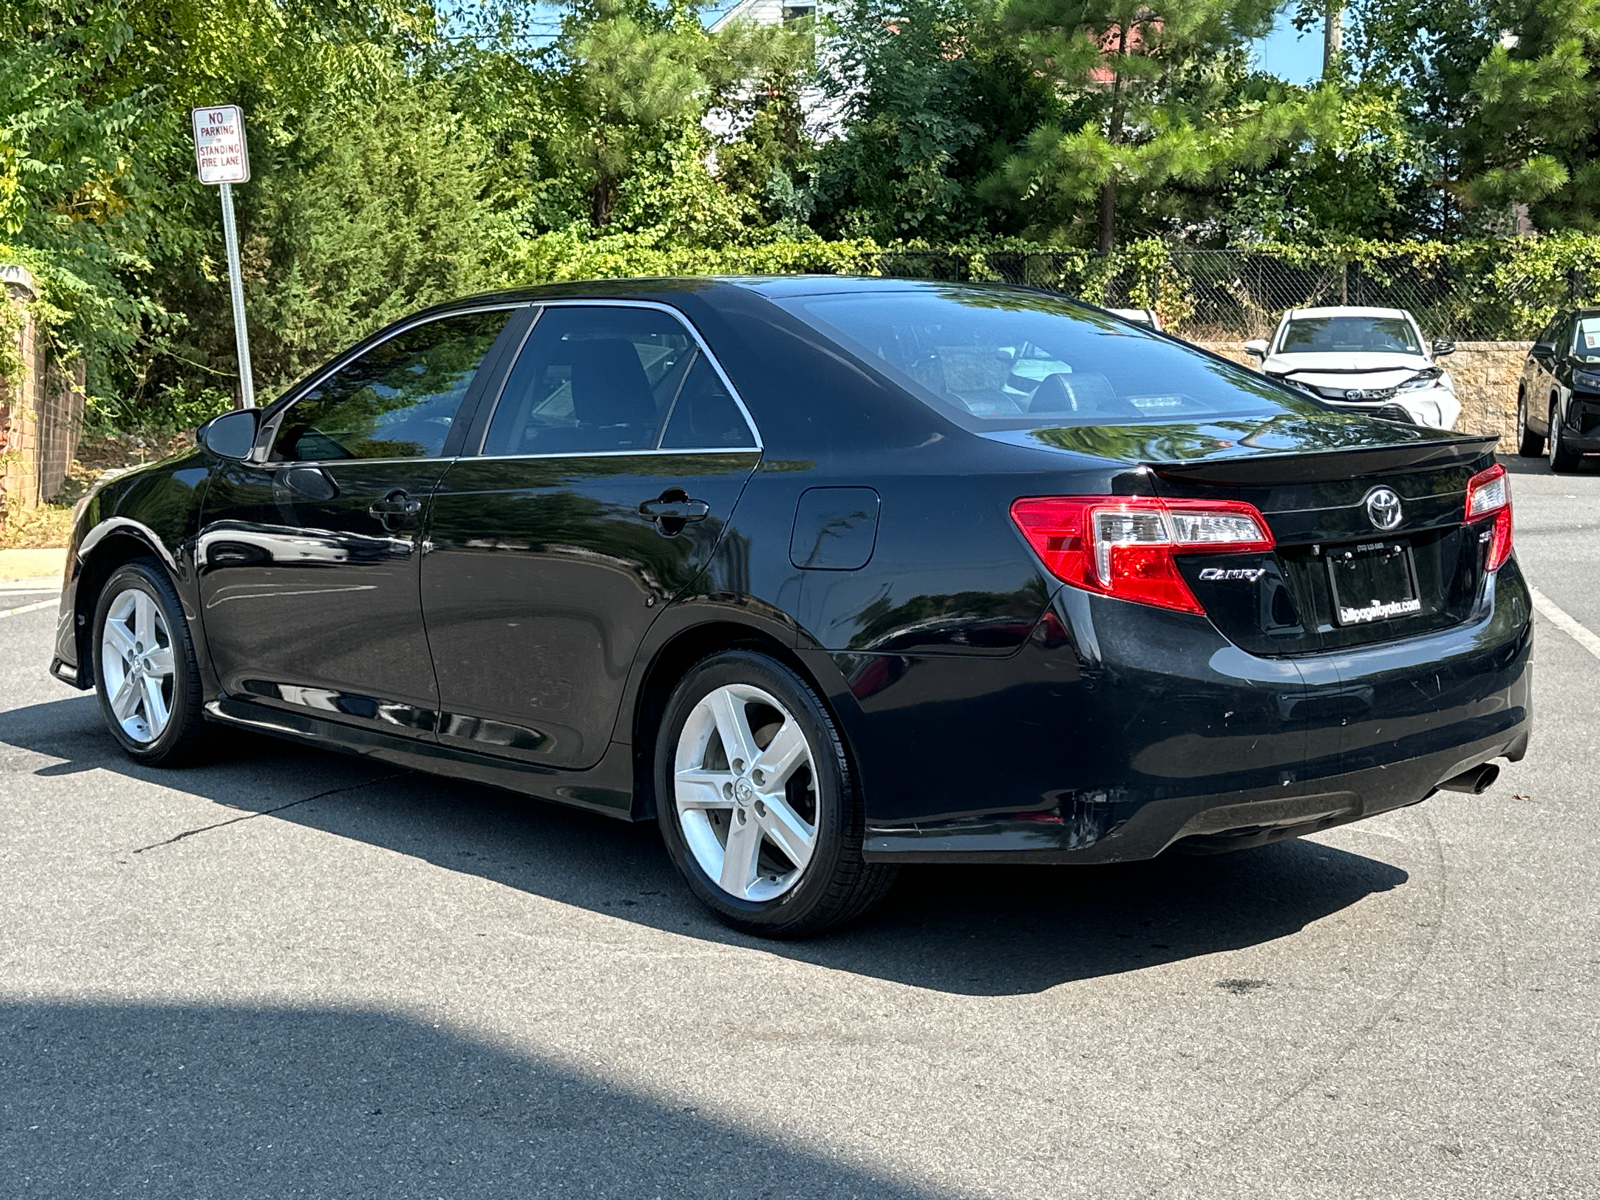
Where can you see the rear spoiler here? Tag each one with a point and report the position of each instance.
(1319, 466)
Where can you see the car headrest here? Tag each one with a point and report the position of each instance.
(1078, 392)
(609, 386)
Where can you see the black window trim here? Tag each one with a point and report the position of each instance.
(704, 350)
(269, 430)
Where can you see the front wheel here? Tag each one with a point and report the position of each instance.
(144, 666)
(1529, 444)
(756, 800)
(1561, 458)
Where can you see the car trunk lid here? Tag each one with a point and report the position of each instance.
(1372, 542)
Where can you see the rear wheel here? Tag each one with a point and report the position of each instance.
(756, 800)
(1561, 459)
(144, 666)
(1529, 444)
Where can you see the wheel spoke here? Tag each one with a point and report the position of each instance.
(155, 706)
(699, 788)
(159, 662)
(738, 743)
(144, 620)
(787, 830)
(783, 754)
(125, 699)
(118, 638)
(739, 857)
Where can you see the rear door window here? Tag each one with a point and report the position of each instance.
(595, 379)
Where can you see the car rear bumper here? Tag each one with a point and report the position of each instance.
(1582, 425)
(1169, 737)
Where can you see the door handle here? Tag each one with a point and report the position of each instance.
(675, 510)
(395, 506)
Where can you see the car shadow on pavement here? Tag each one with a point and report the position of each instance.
(131, 1099)
(974, 930)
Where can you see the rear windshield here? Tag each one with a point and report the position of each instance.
(1003, 359)
(1371, 335)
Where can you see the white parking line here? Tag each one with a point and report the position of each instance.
(1552, 612)
(28, 608)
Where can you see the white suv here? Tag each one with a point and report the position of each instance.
(1370, 359)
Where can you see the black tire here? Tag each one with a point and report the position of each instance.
(181, 737)
(1561, 459)
(1529, 444)
(835, 884)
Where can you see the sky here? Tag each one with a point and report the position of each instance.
(1286, 52)
(1290, 54)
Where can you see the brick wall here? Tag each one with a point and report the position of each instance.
(1485, 375)
(41, 413)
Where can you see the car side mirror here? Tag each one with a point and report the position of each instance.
(1441, 347)
(1256, 347)
(1544, 348)
(232, 435)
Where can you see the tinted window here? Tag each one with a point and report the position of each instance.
(1382, 335)
(1586, 343)
(594, 378)
(1009, 359)
(398, 400)
(704, 416)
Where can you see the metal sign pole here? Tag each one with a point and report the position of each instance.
(222, 157)
(241, 336)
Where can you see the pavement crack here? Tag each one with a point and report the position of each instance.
(267, 812)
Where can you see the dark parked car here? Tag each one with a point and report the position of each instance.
(826, 576)
(1558, 397)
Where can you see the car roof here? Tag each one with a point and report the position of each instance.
(1349, 310)
(708, 287)
(661, 287)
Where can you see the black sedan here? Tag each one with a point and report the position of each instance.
(825, 576)
(1558, 396)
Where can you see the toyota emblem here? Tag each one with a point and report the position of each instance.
(1383, 508)
(1356, 394)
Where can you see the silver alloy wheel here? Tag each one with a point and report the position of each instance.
(137, 663)
(744, 784)
(1522, 419)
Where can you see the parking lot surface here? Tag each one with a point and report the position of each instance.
(290, 973)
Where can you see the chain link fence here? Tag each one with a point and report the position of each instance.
(1219, 295)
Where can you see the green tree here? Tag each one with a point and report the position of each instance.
(376, 210)
(1535, 138)
(1151, 97)
(932, 98)
(634, 76)
(1430, 49)
(96, 164)
(1368, 174)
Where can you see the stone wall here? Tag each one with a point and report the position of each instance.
(1485, 375)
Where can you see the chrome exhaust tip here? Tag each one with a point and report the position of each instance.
(1474, 782)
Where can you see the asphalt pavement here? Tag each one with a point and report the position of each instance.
(296, 974)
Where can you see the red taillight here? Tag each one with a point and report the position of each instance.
(1123, 546)
(1489, 495)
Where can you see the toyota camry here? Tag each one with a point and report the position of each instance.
(825, 576)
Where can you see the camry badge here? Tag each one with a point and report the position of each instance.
(1383, 508)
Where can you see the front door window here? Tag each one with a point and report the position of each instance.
(398, 400)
